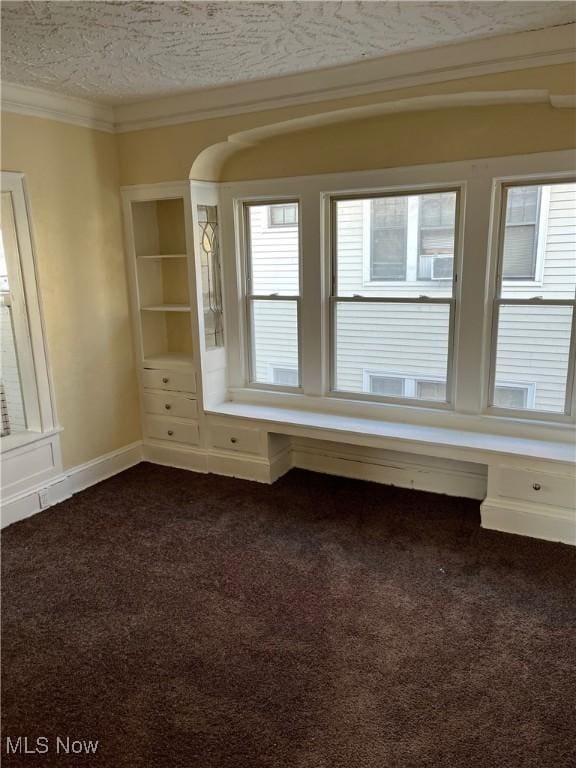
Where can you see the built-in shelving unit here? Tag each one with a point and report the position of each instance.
(163, 291)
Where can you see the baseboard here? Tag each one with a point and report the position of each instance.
(257, 468)
(194, 459)
(437, 476)
(281, 463)
(69, 482)
(103, 467)
(525, 519)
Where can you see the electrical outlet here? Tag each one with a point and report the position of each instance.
(44, 500)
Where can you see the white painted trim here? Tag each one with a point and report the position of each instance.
(525, 519)
(471, 58)
(36, 102)
(71, 481)
(193, 459)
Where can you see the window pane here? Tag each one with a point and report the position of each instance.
(274, 338)
(533, 349)
(385, 385)
(539, 255)
(287, 377)
(511, 397)
(522, 205)
(283, 215)
(431, 390)
(389, 246)
(519, 252)
(273, 252)
(396, 340)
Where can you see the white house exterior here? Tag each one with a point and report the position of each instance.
(401, 350)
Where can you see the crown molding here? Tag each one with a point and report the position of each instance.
(24, 100)
(423, 67)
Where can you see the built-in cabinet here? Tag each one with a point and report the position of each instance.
(191, 417)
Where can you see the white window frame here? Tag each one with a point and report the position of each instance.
(453, 302)
(495, 302)
(29, 329)
(249, 297)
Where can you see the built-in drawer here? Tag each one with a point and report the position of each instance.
(171, 405)
(175, 430)
(534, 486)
(230, 438)
(177, 381)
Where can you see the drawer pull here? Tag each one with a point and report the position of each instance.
(233, 439)
(170, 432)
(165, 380)
(167, 406)
(536, 486)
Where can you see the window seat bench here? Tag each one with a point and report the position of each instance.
(463, 445)
(530, 488)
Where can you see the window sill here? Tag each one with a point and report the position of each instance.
(452, 436)
(21, 439)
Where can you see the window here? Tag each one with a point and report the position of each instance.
(283, 215)
(402, 386)
(532, 334)
(521, 233)
(388, 233)
(390, 386)
(16, 354)
(515, 395)
(436, 236)
(25, 397)
(272, 297)
(389, 324)
(286, 377)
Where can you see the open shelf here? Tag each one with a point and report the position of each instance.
(164, 256)
(159, 228)
(167, 360)
(166, 308)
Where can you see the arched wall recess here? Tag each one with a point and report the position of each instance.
(210, 163)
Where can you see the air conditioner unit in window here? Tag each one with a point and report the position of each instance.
(442, 267)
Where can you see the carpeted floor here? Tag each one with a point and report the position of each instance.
(190, 621)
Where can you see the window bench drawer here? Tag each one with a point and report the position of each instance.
(533, 486)
(231, 438)
(173, 430)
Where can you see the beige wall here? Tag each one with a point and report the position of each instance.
(167, 154)
(73, 183)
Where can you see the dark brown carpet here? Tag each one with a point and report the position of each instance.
(190, 621)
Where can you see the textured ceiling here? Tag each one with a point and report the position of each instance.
(118, 51)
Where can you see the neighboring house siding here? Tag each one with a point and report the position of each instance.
(411, 340)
